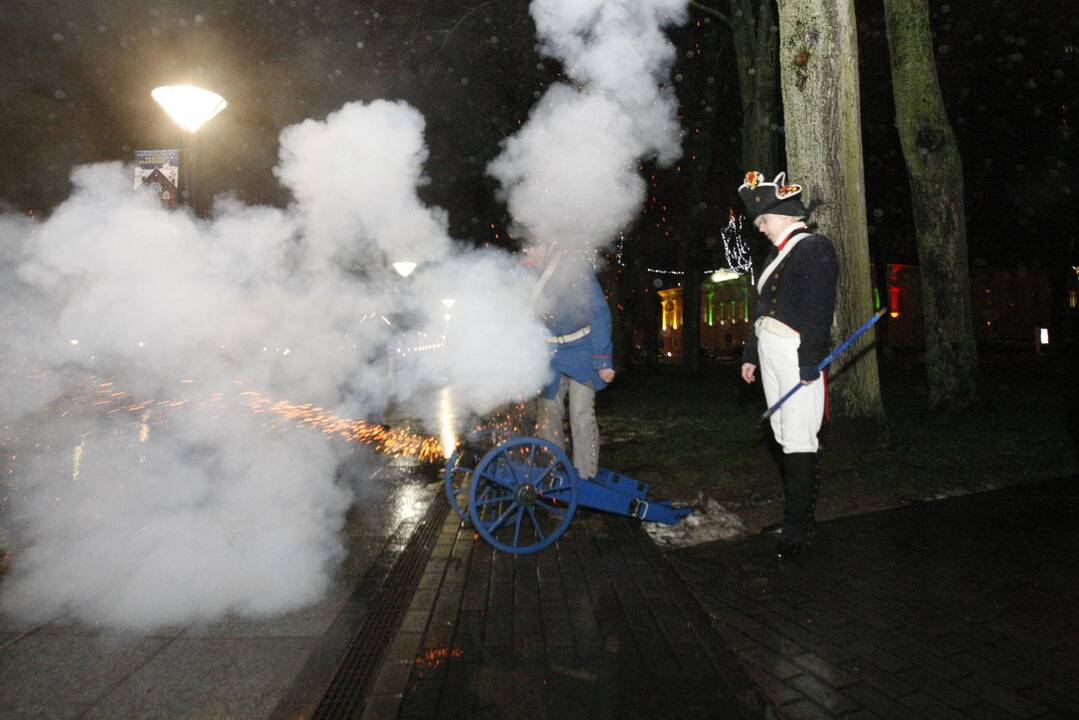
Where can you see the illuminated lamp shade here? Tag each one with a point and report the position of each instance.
(723, 275)
(189, 106)
(404, 268)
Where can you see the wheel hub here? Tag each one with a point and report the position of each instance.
(526, 495)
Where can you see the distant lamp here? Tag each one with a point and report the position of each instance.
(189, 106)
(448, 302)
(1043, 335)
(723, 275)
(404, 268)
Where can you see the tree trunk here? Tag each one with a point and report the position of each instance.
(649, 310)
(689, 257)
(752, 25)
(935, 171)
(818, 59)
(612, 281)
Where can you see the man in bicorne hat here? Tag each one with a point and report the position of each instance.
(791, 334)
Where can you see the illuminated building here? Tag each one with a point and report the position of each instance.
(1010, 306)
(724, 318)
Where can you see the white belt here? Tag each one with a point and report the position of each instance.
(563, 339)
(776, 327)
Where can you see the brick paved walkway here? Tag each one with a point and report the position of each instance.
(597, 626)
(962, 608)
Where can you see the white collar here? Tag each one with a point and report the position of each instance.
(790, 229)
(546, 276)
(793, 236)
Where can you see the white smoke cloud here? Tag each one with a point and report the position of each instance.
(344, 204)
(570, 174)
(176, 503)
(485, 288)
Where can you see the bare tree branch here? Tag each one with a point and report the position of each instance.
(708, 10)
(462, 19)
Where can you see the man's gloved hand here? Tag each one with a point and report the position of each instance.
(808, 373)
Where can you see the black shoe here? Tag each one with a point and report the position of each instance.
(788, 551)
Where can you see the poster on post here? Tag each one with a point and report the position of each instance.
(158, 171)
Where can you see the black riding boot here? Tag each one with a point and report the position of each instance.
(776, 529)
(800, 471)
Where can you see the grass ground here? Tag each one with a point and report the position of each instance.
(688, 436)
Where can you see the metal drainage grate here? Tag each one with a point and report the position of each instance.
(347, 692)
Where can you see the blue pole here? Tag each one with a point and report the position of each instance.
(828, 360)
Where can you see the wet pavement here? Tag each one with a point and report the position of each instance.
(596, 626)
(960, 608)
(235, 668)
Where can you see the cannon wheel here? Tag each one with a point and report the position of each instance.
(523, 495)
(457, 477)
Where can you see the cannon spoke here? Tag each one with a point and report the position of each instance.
(536, 523)
(531, 459)
(489, 501)
(493, 477)
(506, 464)
(502, 518)
(517, 525)
(548, 492)
(515, 470)
(547, 472)
(559, 513)
(488, 489)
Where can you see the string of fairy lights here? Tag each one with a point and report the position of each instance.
(735, 251)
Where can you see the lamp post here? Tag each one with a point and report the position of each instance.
(403, 268)
(190, 107)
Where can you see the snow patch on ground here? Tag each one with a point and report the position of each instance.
(708, 522)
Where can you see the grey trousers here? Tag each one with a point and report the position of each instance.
(550, 417)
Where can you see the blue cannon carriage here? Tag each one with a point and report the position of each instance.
(522, 492)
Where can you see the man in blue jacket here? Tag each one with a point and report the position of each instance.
(791, 334)
(578, 320)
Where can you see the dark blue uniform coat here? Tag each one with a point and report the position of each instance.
(581, 358)
(800, 293)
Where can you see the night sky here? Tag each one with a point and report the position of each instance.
(79, 76)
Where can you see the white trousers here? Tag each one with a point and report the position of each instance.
(550, 419)
(798, 420)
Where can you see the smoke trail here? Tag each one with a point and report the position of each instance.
(343, 204)
(570, 173)
(140, 489)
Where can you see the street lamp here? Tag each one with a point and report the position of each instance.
(403, 268)
(190, 107)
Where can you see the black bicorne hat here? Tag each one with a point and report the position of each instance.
(776, 197)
